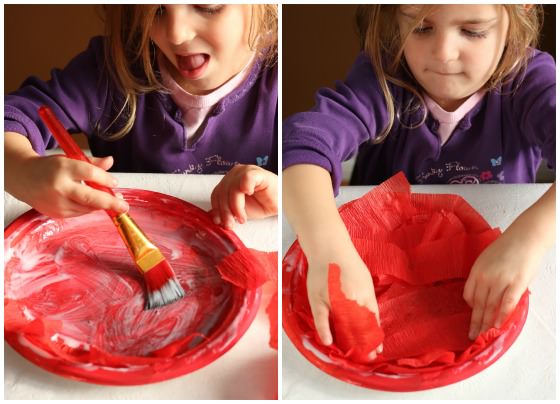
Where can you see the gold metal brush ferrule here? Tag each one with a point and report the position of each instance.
(145, 254)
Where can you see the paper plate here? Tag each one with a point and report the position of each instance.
(74, 301)
(420, 249)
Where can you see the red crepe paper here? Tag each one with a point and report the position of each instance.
(74, 301)
(249, 268)
(420, 249)
(356, 330)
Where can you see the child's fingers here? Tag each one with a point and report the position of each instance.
(511, 297)
(103, 162)
(249, 182)
(480, 297)
(468, 292)
(215, 211)
(492, 302)
(215, 216)
(373, 354)
(320, 314)
(89, 197)
(226, 217)
(237, 205)
(88, 172)
(373, 307)
(379, 349)
(78, 210)
(71, 209)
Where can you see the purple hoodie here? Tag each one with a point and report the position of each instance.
(501, 140)
(242, 128)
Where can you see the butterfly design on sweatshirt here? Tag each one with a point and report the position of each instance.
(496, 162)
(262, 161)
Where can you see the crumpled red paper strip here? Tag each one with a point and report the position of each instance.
(240, 269)
(249, 268)
(420, 249)
(356, 331)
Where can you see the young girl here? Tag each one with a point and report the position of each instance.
(172, 89)
(446, 94)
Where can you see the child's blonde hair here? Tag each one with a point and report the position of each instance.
(128, 45)
(381, 40)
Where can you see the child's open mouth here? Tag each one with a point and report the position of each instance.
(192, 66)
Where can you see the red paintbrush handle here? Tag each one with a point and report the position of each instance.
(69, 146)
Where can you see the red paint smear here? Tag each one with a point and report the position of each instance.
(420, 249)
(249, 268)
(74, 301)
(356, 330)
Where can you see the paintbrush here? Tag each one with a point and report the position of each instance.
(161, 284)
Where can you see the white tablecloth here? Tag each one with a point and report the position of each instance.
(525, 371)
(248, 371)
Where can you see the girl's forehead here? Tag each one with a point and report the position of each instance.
(450, 10)
(411, 8)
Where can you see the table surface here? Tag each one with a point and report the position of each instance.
(248, 371)
(525, 371)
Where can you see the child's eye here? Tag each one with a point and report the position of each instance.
(209, 9)
(422, 29)
(475, 34)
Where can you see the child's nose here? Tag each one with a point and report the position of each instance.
(180, 29)
(445, 48)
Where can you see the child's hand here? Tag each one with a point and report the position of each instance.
(245, 192)
(357, 284)
(503, 271)
(53, 185)
(498, 279)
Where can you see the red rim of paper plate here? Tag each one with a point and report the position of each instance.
(243, 310)
(294, 260)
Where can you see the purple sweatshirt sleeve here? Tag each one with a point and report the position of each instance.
(340, 121)
(77, 95)
(534, 104)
